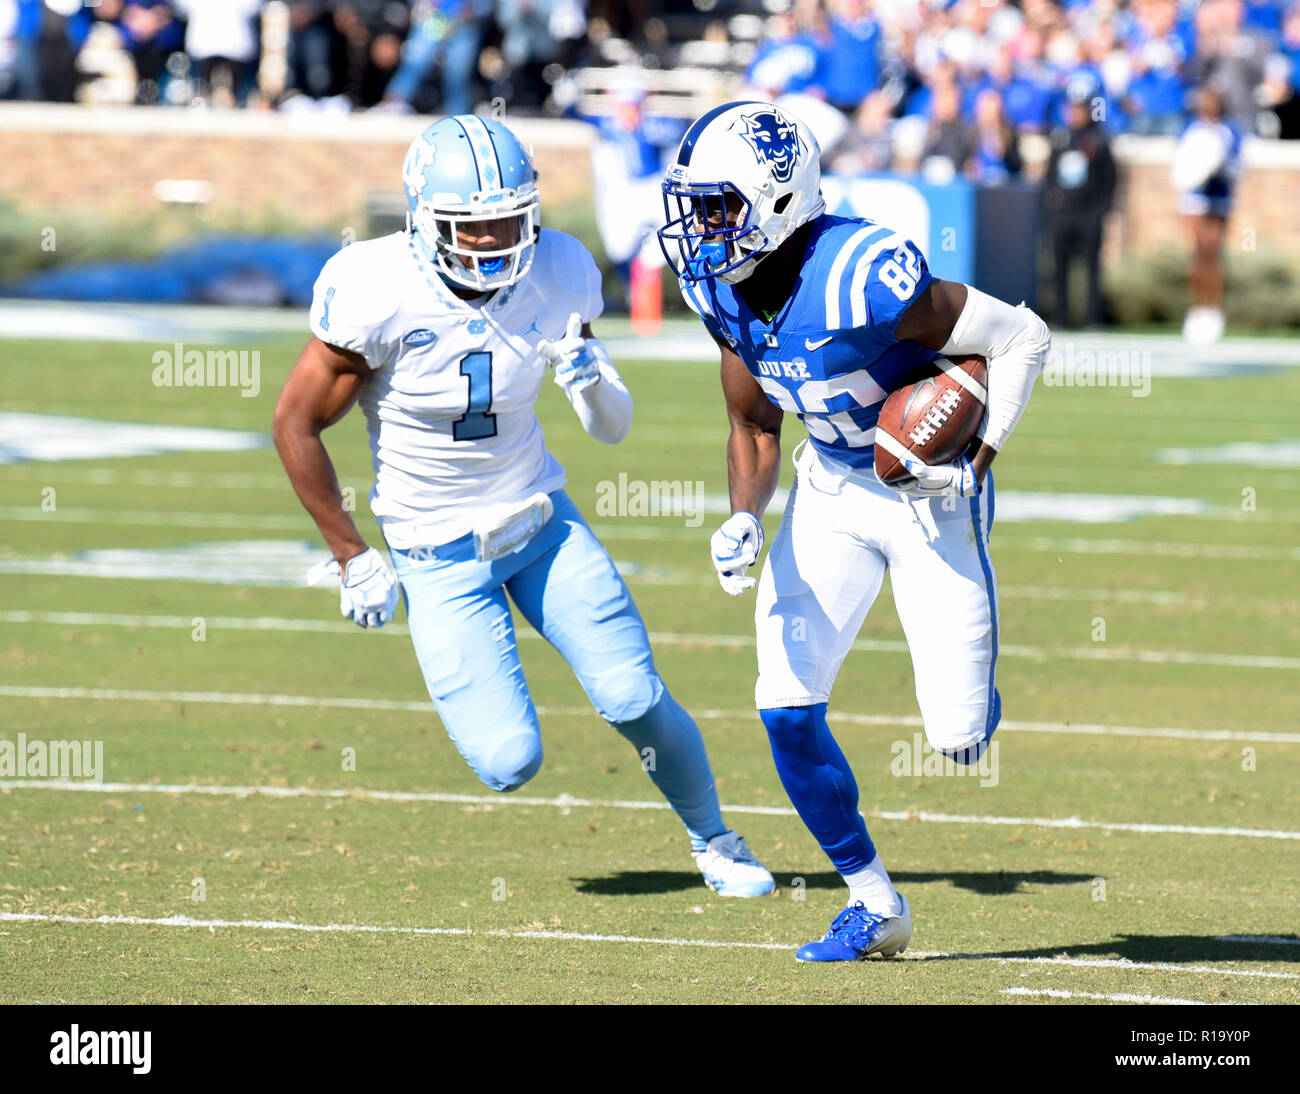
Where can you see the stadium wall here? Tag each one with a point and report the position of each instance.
(319, 170)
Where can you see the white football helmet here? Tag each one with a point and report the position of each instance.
(754, 160)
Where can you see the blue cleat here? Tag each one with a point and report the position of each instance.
(856, 932)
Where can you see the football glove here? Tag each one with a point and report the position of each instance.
(956, 479)
(576, 367)
(367, 587)
(736, 547)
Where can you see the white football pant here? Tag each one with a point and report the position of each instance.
(841, 530)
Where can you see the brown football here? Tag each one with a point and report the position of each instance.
(933, 418)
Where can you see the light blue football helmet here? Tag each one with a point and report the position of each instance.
(468, 169)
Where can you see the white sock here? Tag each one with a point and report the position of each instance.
(873, 887)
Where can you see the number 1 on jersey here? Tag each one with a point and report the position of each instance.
(478, 421)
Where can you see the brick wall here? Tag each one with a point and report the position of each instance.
(320, 170)
(316, 170)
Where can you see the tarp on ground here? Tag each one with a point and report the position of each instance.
(223, 270)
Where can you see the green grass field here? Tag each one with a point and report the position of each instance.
(1171, 739)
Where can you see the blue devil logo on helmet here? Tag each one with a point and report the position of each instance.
(774, 140)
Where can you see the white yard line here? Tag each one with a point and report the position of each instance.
(567, 802)
(1269, 939)
(1086, 729)
(745, 714)
(665, 638)
(1112, 997)
(660, 532)
(573, 936)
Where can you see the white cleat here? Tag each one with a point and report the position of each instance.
(730, 868)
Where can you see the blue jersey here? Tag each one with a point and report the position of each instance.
(830, 355)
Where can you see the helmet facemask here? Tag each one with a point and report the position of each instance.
(729, 253)
(714, 229)
(517, 215)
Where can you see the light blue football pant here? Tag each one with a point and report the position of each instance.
(566, 586)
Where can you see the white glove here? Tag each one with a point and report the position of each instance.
(367, 587)
(736, 547)
(956, 479)
(576, 367)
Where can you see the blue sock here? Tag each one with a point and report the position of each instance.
(672, 752)
(820, 783)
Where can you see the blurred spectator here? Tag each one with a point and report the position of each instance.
(852, 65)
(1078, 190)
(373, 32)
(311, 55)
(1290, 44)
(790, 59)
(446, 35)
(867, 145)
(628, 163)
(1230, 55)
(450, 55)
(1206, 165)
(150, 33)
(1026, 93)
(45, 38)
(526, 49)
(1278, 95)
(950, 143)
(221, 39)
(1159, 55)
(997, 150)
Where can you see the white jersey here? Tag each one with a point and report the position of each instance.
(449, 404)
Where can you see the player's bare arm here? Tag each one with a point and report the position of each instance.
(322, 387)
(953, 318)
(754, 446)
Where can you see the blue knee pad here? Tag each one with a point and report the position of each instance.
(510, 761)
(626, 694)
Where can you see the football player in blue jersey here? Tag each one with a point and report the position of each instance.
(822, 316)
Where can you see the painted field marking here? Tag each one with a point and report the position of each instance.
(574, 936)
(567, 802)
(665, 638)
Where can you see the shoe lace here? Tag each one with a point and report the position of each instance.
(855, 924)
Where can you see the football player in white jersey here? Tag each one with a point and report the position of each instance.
(444, 333)
(821, 317)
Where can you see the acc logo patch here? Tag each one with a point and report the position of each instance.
(421, 337)
(774, 141)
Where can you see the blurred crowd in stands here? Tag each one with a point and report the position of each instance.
(978, 73)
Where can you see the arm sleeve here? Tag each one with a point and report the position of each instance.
(604, 408)
(351, 311)
(1015, 343)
